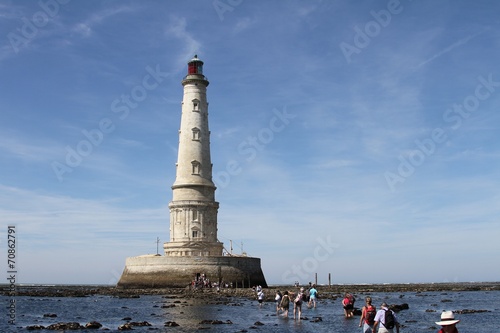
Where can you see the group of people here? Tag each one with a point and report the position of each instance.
(284, 300)
(385, 319)
(202, 281)
(371, 319)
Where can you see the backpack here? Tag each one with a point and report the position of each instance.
(390, 322)
(285, 301)
(299, 298)
(370, 313)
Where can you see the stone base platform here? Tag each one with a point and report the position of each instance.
(155, 271)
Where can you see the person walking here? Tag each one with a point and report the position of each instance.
(297, 304)
(260, 297)
(285, 303)
(368, 313)
(448, 322)
(312, 296)
(348, 304)
(387, 320)
(277, 298)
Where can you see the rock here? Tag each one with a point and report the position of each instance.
(470, 311)
(130, 325)
(125, 327)
(171, 324)
(35, 327)
(327, 292)
(65, 326)
(316, 319)
(141, 323)
(93, 325)
(258, 323)
(399, 307)
(168, 306)
(50, 315)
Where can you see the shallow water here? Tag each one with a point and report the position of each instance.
(243, 313)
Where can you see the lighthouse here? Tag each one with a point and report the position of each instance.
(194, 249)
(193, 209)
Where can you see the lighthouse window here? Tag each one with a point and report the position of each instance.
(195, 215)
(196, 134)
(196, 105)
(192, 68)
(195, 233)
(196, 167)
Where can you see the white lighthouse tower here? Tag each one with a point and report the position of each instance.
(193, 209)
(193, 249)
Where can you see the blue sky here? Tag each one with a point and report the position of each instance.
(354, 138)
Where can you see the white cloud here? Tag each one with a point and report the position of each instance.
(177, 29)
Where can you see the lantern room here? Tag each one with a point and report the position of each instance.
(195, 66)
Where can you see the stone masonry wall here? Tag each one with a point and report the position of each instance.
(160, 271)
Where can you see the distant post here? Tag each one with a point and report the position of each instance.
(329, 279)
(316, 278)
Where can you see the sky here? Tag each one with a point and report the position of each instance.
(350, 139)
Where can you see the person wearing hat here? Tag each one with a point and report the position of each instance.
(448, 322)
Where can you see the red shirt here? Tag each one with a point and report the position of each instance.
(454, 331)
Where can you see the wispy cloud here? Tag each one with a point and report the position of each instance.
(450, 48)
(21, 148)
(243, 24)
(85, 28)
(177, 29)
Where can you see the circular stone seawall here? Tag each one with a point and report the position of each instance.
(153, 271)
